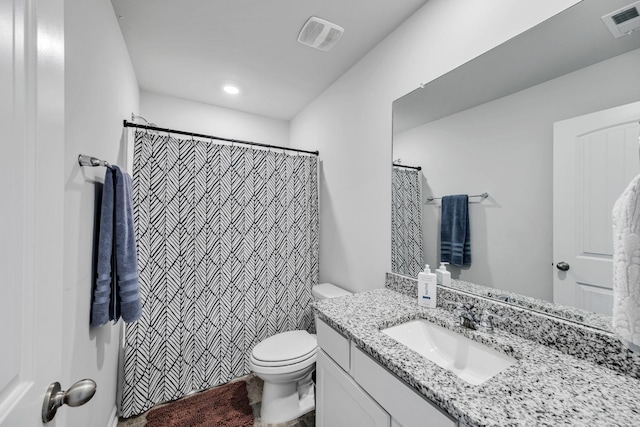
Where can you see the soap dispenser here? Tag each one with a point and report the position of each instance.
(443, 276)
(427, 288)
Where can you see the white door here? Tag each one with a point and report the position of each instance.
(31, 214)
(595, 156)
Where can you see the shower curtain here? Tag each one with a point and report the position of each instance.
(228, 252)
(406, 222)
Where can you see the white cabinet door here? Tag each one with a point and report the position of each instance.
(334, 344)
(408, 408)
(340, 402)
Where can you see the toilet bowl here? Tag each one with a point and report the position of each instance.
(285, 362)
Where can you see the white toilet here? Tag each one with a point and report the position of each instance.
(286, 362)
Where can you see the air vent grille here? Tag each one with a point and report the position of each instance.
(623, 21)
(310, 32)
(320, 34)
(623, 17)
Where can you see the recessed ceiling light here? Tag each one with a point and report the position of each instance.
(231, 89)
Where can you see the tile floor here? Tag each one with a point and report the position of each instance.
(254, 391)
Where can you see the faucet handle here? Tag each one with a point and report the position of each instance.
(462, 308)
(465, 306)
(486, 320)
(465, 316)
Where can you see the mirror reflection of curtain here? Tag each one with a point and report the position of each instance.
(406, 222)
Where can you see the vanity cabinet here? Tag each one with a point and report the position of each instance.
(340, 402)
(353, 390)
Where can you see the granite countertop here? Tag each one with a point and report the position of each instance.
(544, 388)
(587, 318)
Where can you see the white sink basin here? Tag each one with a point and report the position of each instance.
(471, 361)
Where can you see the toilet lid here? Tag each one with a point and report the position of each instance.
(285, 346)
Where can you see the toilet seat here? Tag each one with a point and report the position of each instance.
(276, 363)
(285, 352)
(285, 348)
(287, 368)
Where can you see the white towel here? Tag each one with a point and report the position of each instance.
(626, 266)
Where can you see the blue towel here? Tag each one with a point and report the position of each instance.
(116, 293)
(125, 250)
(104, 285)
(455, 242)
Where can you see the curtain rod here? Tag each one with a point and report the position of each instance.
(200, 135)
(418, 168)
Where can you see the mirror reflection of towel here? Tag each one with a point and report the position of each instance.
(626, 266)
(455, 242)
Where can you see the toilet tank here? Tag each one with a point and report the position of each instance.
(327, 290)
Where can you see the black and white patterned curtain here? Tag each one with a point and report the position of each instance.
(406, 222)
(228, 253)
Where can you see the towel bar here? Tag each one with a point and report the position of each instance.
(92, 161)
(483, 195)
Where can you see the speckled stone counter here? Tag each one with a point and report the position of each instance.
(408, 285)
(588, 342)
(544, 388)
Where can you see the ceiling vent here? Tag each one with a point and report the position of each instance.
(320, 34)
(623, 21)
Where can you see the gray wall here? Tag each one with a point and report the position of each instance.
(505, 148)
(350, 123)
(182, 114)
(100, 91)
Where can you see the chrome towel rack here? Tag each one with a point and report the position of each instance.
(91, 161)
(483, 195)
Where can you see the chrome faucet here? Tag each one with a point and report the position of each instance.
(486, 320)
(469, 320)
(465, 316)
(503, 297)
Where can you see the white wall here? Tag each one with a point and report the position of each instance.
(100, 91)
(505, 148)
(191, 116)
(350, 123)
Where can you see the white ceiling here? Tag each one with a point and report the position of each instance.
(189, 48)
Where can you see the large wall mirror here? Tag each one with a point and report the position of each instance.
(547, 125)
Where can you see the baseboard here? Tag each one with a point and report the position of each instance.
(113, 419)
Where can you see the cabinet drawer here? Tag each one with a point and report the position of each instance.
(333, 343)
(340, 402)
(405, 405)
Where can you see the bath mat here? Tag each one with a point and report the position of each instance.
(224, 406)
